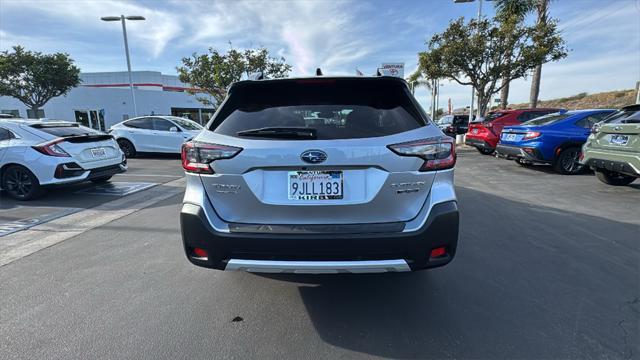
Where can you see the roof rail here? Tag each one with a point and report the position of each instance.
(318, 72)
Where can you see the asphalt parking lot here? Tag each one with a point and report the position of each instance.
(548, 267)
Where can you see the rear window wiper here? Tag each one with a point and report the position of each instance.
(282, 133)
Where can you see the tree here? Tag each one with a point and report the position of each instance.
(506, 11)
(520, 9)
(481, 53)
(215, 71)
(417, 80)
(35, 78)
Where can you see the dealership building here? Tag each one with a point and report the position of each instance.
(104, 99)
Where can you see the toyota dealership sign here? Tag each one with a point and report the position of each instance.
(392, 69)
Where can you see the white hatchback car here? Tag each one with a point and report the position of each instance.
(156, 134)
(34, 154)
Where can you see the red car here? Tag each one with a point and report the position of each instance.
(485, 135)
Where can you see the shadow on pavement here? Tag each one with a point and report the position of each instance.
(528, 282)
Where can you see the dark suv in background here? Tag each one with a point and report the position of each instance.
(485, 135)
(453, 125)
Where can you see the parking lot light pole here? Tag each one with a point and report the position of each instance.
(473, 90)
(123, 19)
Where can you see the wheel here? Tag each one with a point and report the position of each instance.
(127, 148)
(522, 162)
(484, 151)
(101, 180)
(614, 178)
(567, 163)
(20, 183)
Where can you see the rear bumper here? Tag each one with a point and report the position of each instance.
(321, 252)
(516, 152)
(479, 143)
(621, 162)
(615, 166)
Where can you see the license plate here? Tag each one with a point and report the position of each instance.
(619, 139)
(475, 131)
(315, 185)
(510, 137)
(98, 152)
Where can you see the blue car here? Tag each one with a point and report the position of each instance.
(554, 139)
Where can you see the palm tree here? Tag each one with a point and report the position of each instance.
(418, 79)
(517, 10)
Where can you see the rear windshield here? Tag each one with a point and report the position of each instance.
(334, 108)
(618, 117)
(65, 130)
(547, 119)
(185, 124)
(492, 116)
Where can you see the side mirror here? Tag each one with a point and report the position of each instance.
(174, 129)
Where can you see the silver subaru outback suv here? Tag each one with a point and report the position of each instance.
(320, 175)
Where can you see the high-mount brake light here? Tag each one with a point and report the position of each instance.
(51, 148)
(197, 156)
(438, 153)
(531, 135)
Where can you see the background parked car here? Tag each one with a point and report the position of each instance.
(485, 135)
(453, 125)
(613, 150)
(34, 154)
(157, 134)
(553, 139)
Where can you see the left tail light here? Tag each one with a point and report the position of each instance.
(437, 153)
(51, 148)
(197, 156)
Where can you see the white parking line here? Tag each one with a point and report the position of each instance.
(151, 175)
(41, 236)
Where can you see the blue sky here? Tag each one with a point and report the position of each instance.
(603, 35)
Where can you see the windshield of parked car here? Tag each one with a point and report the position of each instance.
(445, 120)
(547, 119)
(65, 130)
(186, 124)
(333, 108)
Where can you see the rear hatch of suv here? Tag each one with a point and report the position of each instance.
(320, 151)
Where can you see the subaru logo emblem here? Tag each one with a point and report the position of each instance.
(617, 128)
(313, 156)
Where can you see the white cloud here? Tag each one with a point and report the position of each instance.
(153, 34)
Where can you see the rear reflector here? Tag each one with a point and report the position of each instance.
(202, 253)
(437, 252)
(438, 153)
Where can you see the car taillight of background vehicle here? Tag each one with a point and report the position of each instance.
(595, 128)
(197, 156)
(531, 135)
(437, 153)
(51, 148)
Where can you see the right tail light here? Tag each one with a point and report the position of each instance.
(438, 153)
(197, 156)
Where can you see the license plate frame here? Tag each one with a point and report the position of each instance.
(619, 140)
(311, 185)
(99, 153)
(510, 137)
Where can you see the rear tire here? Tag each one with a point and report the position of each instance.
(101, 180)
(20, 183)
(127, 148)
(485, 151)
(614, 178)
(567, 163)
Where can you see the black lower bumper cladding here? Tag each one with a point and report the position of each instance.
(440, 230)
(615, 166)
(477, 143)
(514, 152)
